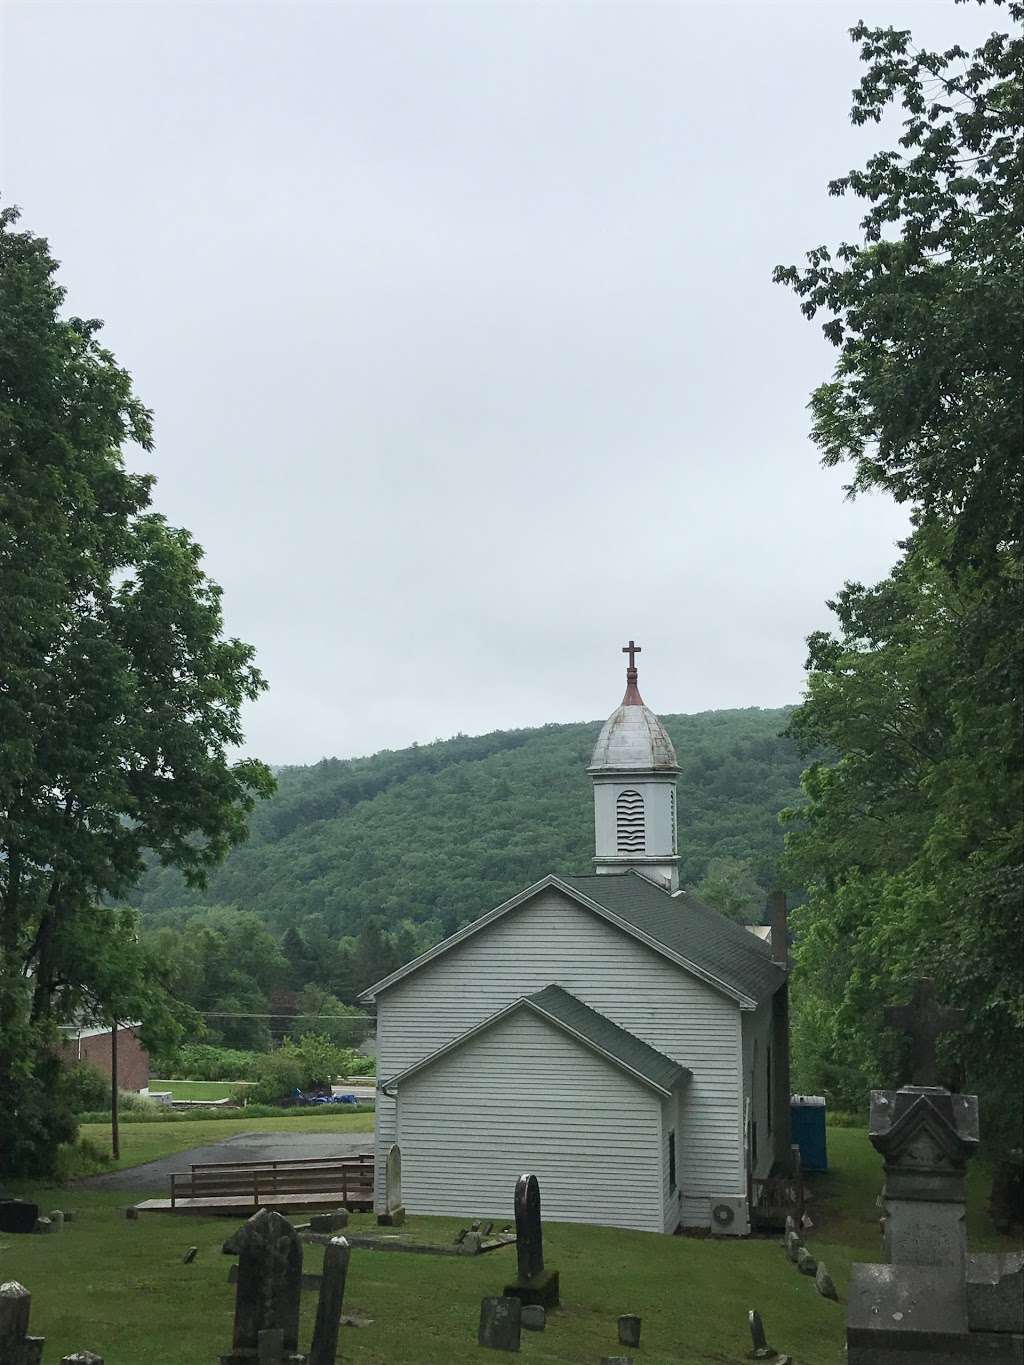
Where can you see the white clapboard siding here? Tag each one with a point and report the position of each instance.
(552, 939)
(524, 1096)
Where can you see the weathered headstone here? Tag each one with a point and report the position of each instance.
(824, 1282)
(329, 1222)
(33, 1350)
(792, 1243)
(56, 1220)
(190, 1255)
(533, 1318)
(932, 1302)
(805, 1262)
(926, 1137)
(470, 1244)
(629, 1330)
(82, 1358)
(760, 1350)
(43, 1224)
(500, 1322)
(394, 1210)
(925, 1021)
(15, 1307)
(18, 1215)
(269, 1285)
(328, 1308)
(533, 1283)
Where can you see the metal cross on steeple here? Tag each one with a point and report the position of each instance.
(632, 650)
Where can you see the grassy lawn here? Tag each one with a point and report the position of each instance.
(149, 1141)
(119, 1287)
(199, 1090)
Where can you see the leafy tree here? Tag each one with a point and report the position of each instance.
(911, 845)
(729, 886)
(925, 311)
(322, 1013)
(120, 696)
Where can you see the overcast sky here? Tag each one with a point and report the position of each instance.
(459, 329)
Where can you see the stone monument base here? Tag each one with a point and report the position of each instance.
(394, 1218)
(541, 1289)
(897, 1314)
(246, 1357)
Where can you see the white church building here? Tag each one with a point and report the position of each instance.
(608, 1032)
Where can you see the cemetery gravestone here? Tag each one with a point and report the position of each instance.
(15, 1306)
(500, 1322)
(394, 1210)
(328, 1308)
(533, 1283)
(931, 1302)
(18, 1215)
(629, 1330)
(269, 1286)
(760, 1350)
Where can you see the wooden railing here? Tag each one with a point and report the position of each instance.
(264, 1182)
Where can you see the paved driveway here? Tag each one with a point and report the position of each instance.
(155, 1175)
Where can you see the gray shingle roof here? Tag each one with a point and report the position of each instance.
(690, 929)
(619, 1045)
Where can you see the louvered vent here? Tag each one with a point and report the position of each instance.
(629, 822)
(672, 815)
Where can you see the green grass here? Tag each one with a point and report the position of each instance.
(199, 1090)
(119, 1287)
(149, 1141)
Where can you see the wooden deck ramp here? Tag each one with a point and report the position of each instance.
(237, 1188)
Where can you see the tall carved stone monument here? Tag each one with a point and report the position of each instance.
(932, 1301)
(533, 1283)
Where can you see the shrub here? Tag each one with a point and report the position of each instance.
(204, 1062)
(86, 1087)
(311, 1062)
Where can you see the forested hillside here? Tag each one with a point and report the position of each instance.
(436, 834)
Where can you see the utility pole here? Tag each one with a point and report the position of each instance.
(115, 1137)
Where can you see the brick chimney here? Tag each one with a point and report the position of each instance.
(778, 917)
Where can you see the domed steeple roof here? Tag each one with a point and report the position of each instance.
(633, 738)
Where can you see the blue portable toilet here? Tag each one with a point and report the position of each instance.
(807, 1118)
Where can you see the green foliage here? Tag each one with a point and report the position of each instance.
(311, 1062)
(86, 1089)
(911, 844)
(321, 1013)
(363, 863)
(120, 702)
(925, 311)
(206, 1062)
(730, 887)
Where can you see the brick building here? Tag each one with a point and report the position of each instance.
(92, 1044)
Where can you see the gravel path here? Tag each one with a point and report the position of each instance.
(155, 1175)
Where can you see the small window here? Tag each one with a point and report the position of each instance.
(672, 1162)
(629, 822)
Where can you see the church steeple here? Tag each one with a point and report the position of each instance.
(634, 772)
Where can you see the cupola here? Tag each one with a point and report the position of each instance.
(634, 771)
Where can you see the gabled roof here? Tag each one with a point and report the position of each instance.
(679, 927)
(684, 924)
(579, 1021)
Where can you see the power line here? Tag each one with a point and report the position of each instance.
(224, 1014)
